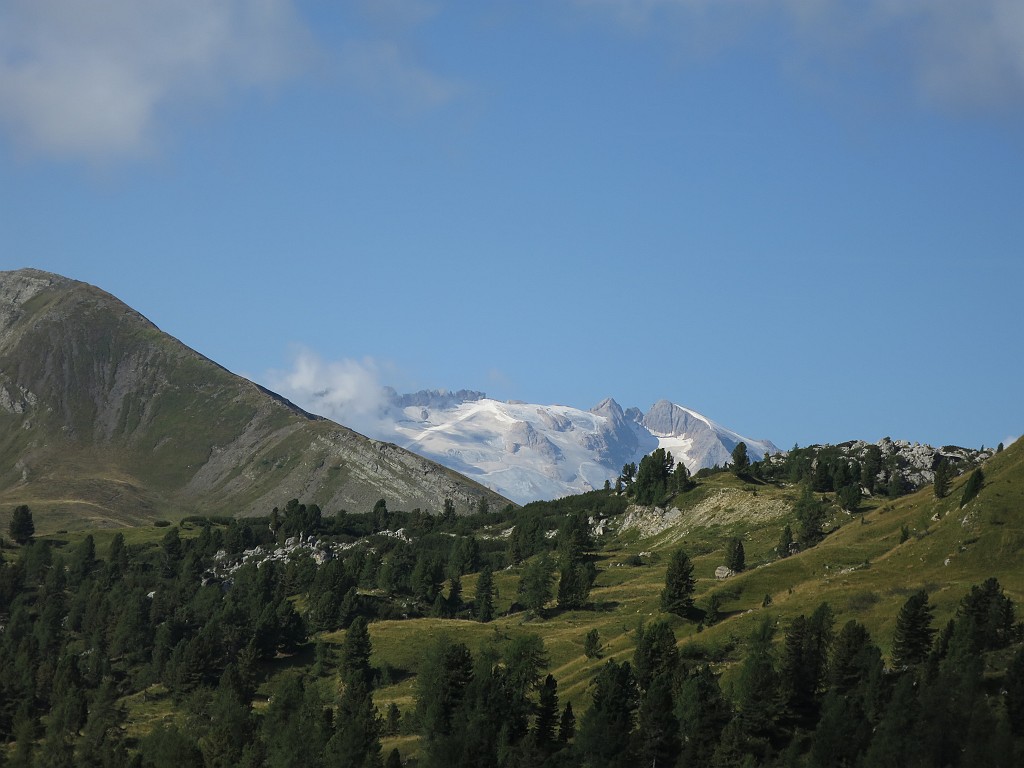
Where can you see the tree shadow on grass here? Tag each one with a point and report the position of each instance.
(605, 606)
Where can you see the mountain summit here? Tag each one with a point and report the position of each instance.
(529, 452)
(106, 420)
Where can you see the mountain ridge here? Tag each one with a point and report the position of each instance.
(107, 418)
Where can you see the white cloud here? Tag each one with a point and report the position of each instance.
(1010, 440)
(93, 79)
(956, 53)
(400, 12)
(382, 68)
(346, 391)
(970, 52)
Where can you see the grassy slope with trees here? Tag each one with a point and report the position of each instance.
(172, 676)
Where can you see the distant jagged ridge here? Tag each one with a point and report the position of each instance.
(432, 398)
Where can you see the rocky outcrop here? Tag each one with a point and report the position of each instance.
(914, 462)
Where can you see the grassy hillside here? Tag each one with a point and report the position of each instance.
(862, 569)
(865, 568)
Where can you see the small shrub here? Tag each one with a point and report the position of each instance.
(592, 644)
(161, 523)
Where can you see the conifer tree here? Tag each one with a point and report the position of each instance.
(592, 644)
(854, 658)
(740, 460)
(167, 747)
(810, 514)
(483, 600)
(1013, 684)
(454, 601)
(547, 713)
(943, 476)
(574, 583)
(912, 638)
(893, 741)
(735, 559)
(657, 742)
(21, 527)
(293, 726)
(448, 513)
(355, 742)
(355, 655)
(681, 477)
(567, 724)
(628, 473)
(652, 477)
(444, 675)
(604, 737)
(991, 614)
(849, 497)
(677, 596)
(842, 734)
(232, 726)
(785, 540)
(655, 653)
(703, 712)
(804, 662)
(536, 583)
(758, 695)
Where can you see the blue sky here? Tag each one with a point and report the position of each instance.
(805, 220)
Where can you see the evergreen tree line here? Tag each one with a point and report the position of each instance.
(657, 478)
(83, 635)
(819, 697)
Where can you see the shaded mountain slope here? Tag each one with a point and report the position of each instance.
(106, 419)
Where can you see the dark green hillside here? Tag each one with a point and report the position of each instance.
(105, 420)
(893, 639)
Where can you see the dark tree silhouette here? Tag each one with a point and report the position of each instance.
(22, 529)
(912, 638)
(677, 596)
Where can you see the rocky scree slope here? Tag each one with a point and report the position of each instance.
(106, 420)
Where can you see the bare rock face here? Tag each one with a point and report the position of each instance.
(104, 416)
(701, 442)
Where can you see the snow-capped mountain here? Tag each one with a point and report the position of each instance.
(695, 439)
(528, 452)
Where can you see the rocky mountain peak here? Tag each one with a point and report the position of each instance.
(609, 409)
(667, 418)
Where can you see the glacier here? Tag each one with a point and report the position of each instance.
(529, 452)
